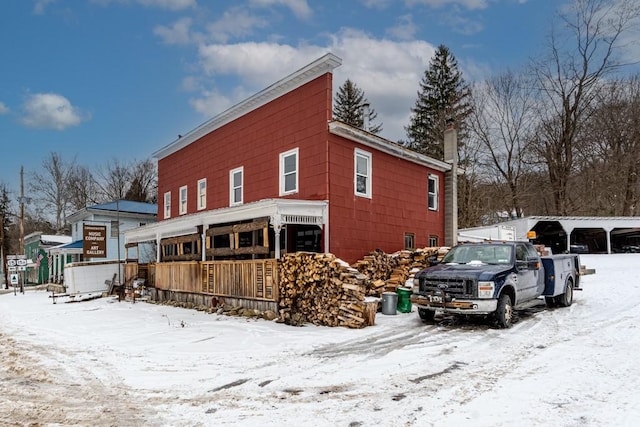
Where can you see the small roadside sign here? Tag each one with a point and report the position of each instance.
(12, 268)
(11, 262)
(14, 279)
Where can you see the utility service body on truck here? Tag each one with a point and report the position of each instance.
(495, 278)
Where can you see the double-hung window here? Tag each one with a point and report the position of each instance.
(432, 192)
(202, 193)
(289, 172)
(235, 186)
(167, 205)
(183, 200)
(362, 178)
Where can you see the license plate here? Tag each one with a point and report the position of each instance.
(435, 298)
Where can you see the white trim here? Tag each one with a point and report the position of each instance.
(182, 203)
(386, 146)
(283, 156)
(277, 210)
(358, 153)
(232, 187)
(319, 67)
(202, 195)
(436, 193)
(166, 207)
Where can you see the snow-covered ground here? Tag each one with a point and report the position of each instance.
(109, 363)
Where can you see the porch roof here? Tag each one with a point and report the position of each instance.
(74, 247)
(279, 212)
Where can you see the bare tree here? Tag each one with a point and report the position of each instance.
(569, 78)
(144, 182)
(502, 122)
(609, 181)
(50, 187)
(83, 189)
(115, 179)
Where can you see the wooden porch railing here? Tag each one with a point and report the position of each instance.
(247, 279)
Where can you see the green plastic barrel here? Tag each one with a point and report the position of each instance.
(404, 300)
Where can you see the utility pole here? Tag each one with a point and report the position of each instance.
(21, 210)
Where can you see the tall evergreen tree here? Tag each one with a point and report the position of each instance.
(443, 95)
(348, 107)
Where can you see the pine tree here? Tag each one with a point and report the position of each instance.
(348, 107)
(443, 95)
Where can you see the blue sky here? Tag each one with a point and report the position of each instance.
(96, 80)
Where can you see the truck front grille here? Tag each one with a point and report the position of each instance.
(456, 287)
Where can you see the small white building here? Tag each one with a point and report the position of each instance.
(87, 261)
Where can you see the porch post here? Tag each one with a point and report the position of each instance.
(277, 227)
(203, 249)
(158, 248)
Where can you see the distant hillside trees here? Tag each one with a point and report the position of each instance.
(351, 105)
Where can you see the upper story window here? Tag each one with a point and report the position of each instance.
(362, 178)
(236, 186)
(167, 204)
(183, 200)
(202, 193)
(432, 193)
(289, 172)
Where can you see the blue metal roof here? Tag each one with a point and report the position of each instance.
(128, 206)
(73, 245)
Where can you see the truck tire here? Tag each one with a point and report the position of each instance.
(566, 299)
(504, 312)
(426, 315)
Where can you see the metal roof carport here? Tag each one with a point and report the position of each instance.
(600, 234)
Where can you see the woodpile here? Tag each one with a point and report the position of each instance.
(323, 290)
(390, 271)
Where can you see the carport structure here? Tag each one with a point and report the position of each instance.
(581, 234)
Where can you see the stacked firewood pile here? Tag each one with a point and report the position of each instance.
(390, 271)
(323, 290)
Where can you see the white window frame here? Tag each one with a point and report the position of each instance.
(366, 155)
(202, 194)
(435, 194)
(183, 200)
(167, 205)
(284, 174)
(232, 188)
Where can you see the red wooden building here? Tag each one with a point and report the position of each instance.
(276, 173)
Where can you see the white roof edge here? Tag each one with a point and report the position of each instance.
(188, 224)
(386, 146)
(326, 63)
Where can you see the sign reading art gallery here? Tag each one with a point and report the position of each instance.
(94, 244)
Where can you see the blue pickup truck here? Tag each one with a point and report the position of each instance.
(495, 278)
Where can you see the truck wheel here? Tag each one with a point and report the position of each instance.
(504, 313)
(551, 301)
(426, 315)
(566, 299)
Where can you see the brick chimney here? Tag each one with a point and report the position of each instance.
(451, 185)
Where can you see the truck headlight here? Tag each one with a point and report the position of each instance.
(416, 285)
(485, 289)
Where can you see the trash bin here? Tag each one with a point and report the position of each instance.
(404, 300)
(389, 302)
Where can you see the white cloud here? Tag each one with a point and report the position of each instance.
(300, 8)
(405, 29)
(469, 4)
(389, 72)
(169, 4)
(177, 33)
(40, 5)
(235, 22)
(50, 111)
(3, 108)
(162, 4)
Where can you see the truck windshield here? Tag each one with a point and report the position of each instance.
(479, 254)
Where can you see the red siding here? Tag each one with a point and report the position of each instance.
(255, 141)
(398, 204)
(299, 119)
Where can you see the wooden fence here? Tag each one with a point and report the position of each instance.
(247, 279)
